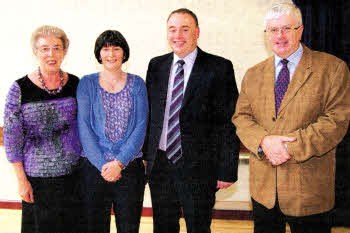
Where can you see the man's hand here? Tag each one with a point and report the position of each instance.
(274, 148)
(223, 184)
(111, 171)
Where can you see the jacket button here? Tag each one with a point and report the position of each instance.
(273, 119)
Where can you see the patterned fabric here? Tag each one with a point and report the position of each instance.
(42, 134)
(173, 136)
(117, 107)
(281, 84)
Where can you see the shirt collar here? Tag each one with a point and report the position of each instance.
(189, 59)
(294, 58)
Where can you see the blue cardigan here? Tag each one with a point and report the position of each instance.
(92, 117)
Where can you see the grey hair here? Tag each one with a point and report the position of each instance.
(47, 30)
(280, 9)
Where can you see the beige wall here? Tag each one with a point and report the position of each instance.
(229, 28)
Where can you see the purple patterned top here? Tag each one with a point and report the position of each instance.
(117, 107)
(41, 129)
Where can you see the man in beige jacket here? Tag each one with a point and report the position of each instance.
(292, 111)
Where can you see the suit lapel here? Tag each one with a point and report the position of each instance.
(163, 77)
(194, 79)
(301, 74)
(269, 83)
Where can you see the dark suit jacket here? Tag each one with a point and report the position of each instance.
(209, 144)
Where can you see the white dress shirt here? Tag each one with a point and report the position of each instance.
(293, 61)
(189, 61)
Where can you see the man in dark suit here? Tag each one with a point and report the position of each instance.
(191, 148)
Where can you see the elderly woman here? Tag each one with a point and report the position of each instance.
(41, 137)
(112, 119)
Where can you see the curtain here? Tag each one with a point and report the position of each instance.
(326, 28)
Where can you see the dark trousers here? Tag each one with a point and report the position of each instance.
(173, 194)
(125, 195)
(274, 221)
(57, 206)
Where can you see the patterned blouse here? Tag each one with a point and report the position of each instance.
(117, 107)
(41, 129)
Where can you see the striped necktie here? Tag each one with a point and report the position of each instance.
(281, 85)
(173, 149)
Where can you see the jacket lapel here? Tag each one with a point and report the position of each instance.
(194, 79)
(163, 77)
(269, 83)
(301, 74)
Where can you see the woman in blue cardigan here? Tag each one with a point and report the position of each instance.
(112, 121)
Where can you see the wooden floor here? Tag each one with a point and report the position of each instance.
(10, 222)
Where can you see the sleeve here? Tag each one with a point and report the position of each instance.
(227, 142)
(248, 129)
(132, 146)
(13, 125)
(327, 131)
(146, 156)
(87, 136)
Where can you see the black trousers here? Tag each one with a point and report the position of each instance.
(125, 195)
(274, 221)
(57, 206)
(173, 194)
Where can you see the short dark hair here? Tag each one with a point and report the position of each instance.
(184, 11)
(111, 38)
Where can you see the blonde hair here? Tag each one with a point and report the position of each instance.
(47, 30)
(280, 9)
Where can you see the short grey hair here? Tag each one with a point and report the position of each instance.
(280, 9)
(47, 30)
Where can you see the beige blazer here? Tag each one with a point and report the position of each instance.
(315, 110)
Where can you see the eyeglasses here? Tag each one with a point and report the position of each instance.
(46, 49)
(283, 30)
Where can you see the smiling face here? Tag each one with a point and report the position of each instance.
(182, 34)
(112, 57)
(284, 43)
(49, 52)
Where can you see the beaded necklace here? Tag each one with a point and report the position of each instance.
(51, 92)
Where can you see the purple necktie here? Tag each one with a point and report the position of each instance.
(281, 84)
(173, 149)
